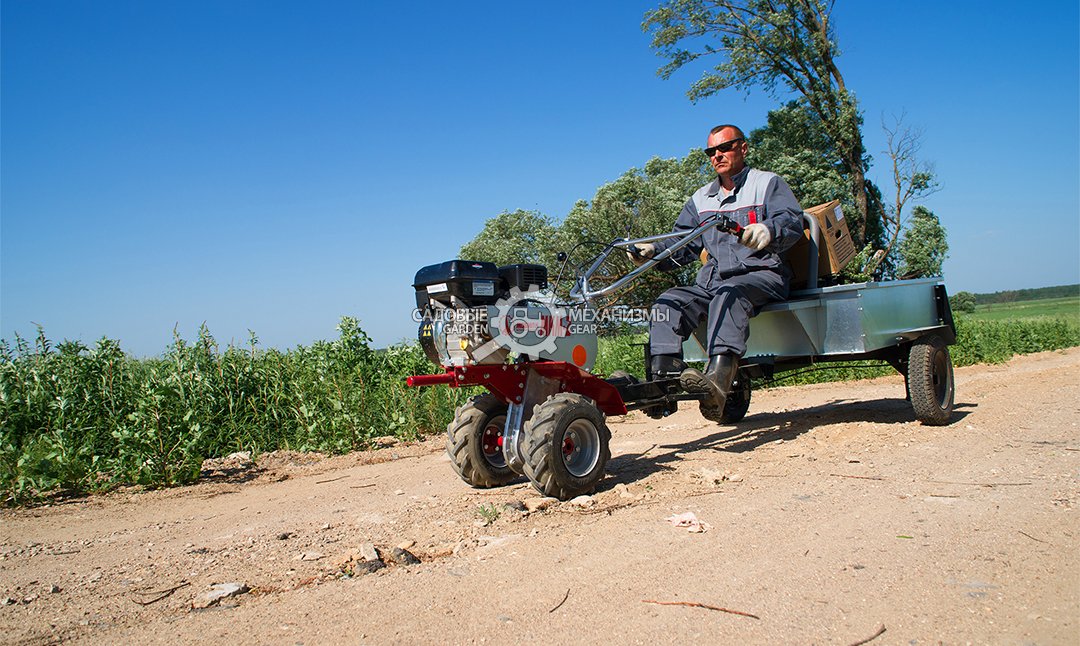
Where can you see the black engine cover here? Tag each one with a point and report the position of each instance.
(472, 282)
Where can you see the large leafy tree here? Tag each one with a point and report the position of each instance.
(514, 237)
(787, 45)
(923, 248)
(640, 202)
(793, 145)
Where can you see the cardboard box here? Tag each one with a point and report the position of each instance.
(836, 250)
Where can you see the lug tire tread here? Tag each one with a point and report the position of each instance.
(541, 452)
(464, 431)
(929, 409)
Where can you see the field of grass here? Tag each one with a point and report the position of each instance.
(76, 419)
(1064, 308)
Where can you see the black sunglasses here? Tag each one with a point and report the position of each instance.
(727, 146)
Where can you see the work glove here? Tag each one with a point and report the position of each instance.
(645, 250)
(756, 236)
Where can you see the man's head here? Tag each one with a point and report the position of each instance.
(726, 148)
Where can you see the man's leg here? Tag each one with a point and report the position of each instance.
(729, 328)
(738, 299)
(674, 316)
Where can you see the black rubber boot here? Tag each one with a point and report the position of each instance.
(665, 366)
(715, 383)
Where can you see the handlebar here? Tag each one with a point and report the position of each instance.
(581, 291)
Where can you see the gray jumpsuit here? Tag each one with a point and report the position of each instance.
(735, 281)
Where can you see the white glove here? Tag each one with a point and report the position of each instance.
(756, 236)
(645, 250)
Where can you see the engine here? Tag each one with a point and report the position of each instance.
(468, 310)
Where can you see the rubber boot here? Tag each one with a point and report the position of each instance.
(715, 383)
(666, 366)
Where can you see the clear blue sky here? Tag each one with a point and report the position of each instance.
(273, 165)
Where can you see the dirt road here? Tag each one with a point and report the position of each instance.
(830, 515)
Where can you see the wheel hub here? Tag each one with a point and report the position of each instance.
(492, 442)
(580, 447)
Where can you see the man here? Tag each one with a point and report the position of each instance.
(742, 273)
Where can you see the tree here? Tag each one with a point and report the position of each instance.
(793, 145)
(789, 44)
(514, 237)
(962, 302)
(912, 178)
(923, 248)
(639, 203)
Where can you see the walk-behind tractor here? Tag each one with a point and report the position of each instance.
(544, 413)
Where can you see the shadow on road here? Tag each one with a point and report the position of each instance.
(756, 430)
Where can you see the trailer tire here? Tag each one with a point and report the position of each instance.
(738, 400)
(566, 446)
(930, 381)
(474, 442)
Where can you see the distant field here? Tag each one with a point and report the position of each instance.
(1064, 308)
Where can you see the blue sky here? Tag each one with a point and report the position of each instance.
(274, 165)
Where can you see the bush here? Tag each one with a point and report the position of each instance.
(76, 419)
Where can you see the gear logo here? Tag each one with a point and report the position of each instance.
(524, 325)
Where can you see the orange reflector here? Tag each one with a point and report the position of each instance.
(580, 355)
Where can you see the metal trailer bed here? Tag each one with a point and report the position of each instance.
(907, 323)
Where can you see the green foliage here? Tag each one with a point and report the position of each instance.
(488, 512)
(923, 248)
(1009, 296)
(793, 145)
(962, 302)
(75, 419)
(1067, 308)
(514, 237)
(641, 202)
(782, 46)
(621, 352)
(997, 341)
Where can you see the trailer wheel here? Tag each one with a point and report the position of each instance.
(566, 446)
(738, 401)
(930, 380)
(474, 442)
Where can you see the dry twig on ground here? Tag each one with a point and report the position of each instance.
(694, 604)
(559, 605)
(161, 594)
(879, 633)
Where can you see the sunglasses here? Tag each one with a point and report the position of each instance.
(727, 146)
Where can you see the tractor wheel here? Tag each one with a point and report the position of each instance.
(738, 401)
(930, 381)
(566, 446)
(474, 442)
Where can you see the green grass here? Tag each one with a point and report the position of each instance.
(1067, 308)
(77, 419)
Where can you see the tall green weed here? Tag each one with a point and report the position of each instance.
(78, 419)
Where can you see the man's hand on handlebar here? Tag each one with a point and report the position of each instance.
(756, 236)
(641, 252)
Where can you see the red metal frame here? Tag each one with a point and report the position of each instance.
(507, 381)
